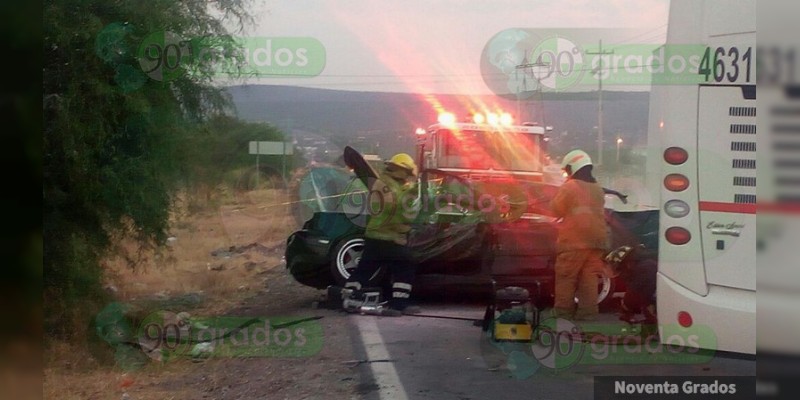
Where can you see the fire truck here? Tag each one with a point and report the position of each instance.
(485, 146)
(487, 164)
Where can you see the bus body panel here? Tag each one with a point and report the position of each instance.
(778, 219)
(778, 210)
(727, 181)
(676, 120)
(778, 326)
(712, 276)
(729, 314)
(726, 17)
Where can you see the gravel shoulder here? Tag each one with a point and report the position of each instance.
(320, 371)
(223, 266)
(322, 375)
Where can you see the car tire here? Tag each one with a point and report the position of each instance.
(319, 280)
(605, 291)
(345, 257)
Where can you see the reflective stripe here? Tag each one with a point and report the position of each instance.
(353, 285)
(401, 295)
(401, 285)
(576, 158)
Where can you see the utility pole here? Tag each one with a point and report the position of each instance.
(600, 53)
(538, 84)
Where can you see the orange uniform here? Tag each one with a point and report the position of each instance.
(582, 242)
(581, 205)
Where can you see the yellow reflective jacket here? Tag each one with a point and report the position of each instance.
(581, 205)
(392, 208)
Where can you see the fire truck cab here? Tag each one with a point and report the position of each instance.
(486, 146)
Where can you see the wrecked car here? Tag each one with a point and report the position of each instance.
(466, 235)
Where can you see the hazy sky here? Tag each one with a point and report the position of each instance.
(432, 46)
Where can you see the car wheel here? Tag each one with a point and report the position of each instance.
(346, 256)
(605, 290)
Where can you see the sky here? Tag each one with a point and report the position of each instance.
(430, 46)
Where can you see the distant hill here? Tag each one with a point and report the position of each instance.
(385, 122)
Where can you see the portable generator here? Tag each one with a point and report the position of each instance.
(511, 316)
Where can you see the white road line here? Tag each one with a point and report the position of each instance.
(384, 373)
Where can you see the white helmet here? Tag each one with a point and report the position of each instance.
(575, 160)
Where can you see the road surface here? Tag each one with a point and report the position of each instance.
(439, 358)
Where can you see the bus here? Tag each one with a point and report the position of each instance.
(703, 138)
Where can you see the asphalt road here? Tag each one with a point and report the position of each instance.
(437, 358)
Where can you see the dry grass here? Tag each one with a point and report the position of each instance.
(67, 384)
(184, 265)
(187, 265)
(20, 368)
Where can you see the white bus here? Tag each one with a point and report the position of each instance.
(704, 137)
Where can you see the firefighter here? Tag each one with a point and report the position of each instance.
(392, 208)
(582, 239)
(638, 272)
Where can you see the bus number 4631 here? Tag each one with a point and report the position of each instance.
(726, 64)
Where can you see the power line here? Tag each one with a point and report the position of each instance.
(601, 53)
(643, 34)
(439, 77)
(524, 81)
(657, 36)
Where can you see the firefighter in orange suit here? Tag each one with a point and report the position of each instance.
(582, 239)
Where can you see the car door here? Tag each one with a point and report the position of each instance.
(525, 244)
(448, 229)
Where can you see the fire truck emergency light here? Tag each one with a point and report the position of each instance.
(504, 119)
(447, 118)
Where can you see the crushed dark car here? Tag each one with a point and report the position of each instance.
(466, 234)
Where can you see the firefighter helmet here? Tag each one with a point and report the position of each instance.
(404, 161)
(575, 160)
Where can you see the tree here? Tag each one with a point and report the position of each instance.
(219, 151)
(123, 94)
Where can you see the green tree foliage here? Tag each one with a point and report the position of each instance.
(219, 154)
(21, 243)
(116, 138)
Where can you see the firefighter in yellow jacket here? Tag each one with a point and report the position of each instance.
(582, 239)
(392, 207)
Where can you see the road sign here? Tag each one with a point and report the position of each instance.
(271, 148)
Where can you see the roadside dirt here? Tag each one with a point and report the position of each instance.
(319, 376)
(224, 268)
